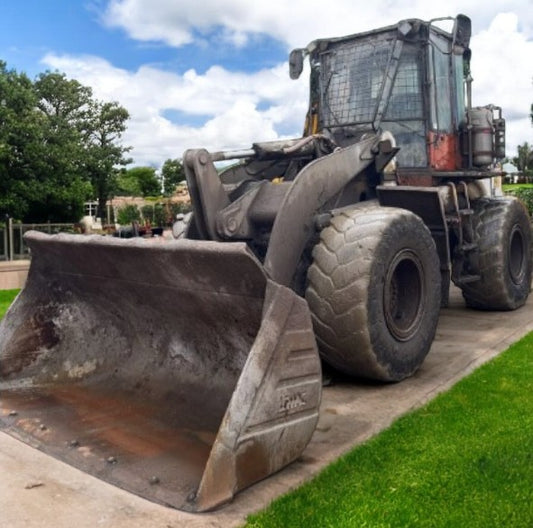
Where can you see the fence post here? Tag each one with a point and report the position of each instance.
(21, 240)
(6, 250)
(10, 236)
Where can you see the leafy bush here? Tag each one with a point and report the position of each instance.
(526, 195)
(128, 214)
(147, 212)
(155, 214)
(180, 207)
(159, 216)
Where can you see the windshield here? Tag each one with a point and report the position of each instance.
(375, 83)
(353, 75)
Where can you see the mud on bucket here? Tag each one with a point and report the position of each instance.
(176, 371)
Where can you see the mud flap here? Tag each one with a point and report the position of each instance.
(177, 370)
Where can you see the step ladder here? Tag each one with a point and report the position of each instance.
(460, 221)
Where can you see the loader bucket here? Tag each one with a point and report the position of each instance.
(177, 370)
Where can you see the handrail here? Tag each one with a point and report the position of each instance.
(12, 245)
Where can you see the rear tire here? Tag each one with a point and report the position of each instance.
(374, 292)
(503, 234)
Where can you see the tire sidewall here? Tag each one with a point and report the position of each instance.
(495, 222)
(517, 222)
(346, 291)
(404, 355)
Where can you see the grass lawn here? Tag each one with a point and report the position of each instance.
(463, 460)
(514, 186)
(6, 297)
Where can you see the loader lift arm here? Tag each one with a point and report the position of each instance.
(290, 207)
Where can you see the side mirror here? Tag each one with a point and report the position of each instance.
(462, 31)
(296, 63)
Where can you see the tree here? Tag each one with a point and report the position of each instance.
(20, 134)
(59, 180)
(128, 214)
(139, 181)
(58, 146)
(172, 174)
(103, 150)
(524, 160)
(126, 185)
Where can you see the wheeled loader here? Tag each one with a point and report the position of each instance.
(189, 382)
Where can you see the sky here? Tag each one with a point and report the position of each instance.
(214, 73)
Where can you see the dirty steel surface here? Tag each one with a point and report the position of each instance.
(38, 491)
(128, 440)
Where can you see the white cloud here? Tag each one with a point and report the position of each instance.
(235, 109)
(224, 109)
(177, 22)
(503, 75)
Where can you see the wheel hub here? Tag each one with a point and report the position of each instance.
(403, 295)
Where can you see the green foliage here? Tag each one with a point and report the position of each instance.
(103, 150)
(20, 138)
(523, 193)
(155, 214)
(160, 216)
(147, 212)
(523, 161)
(58, 146)
(465, 459)
(180, 207)
(126, 185)
(163, 213)
(128, 214)
(139, 181)
(172, 173)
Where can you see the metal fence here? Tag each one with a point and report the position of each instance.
(12, 245)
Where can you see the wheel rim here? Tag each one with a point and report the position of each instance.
(517, 255)
(403, 295)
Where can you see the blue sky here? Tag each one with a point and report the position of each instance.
(77, 27)
(214, 73)
(37, 27)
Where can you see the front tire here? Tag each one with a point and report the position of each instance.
(503, 235)
(374, 292)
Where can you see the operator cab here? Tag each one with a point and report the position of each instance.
(409, 79)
